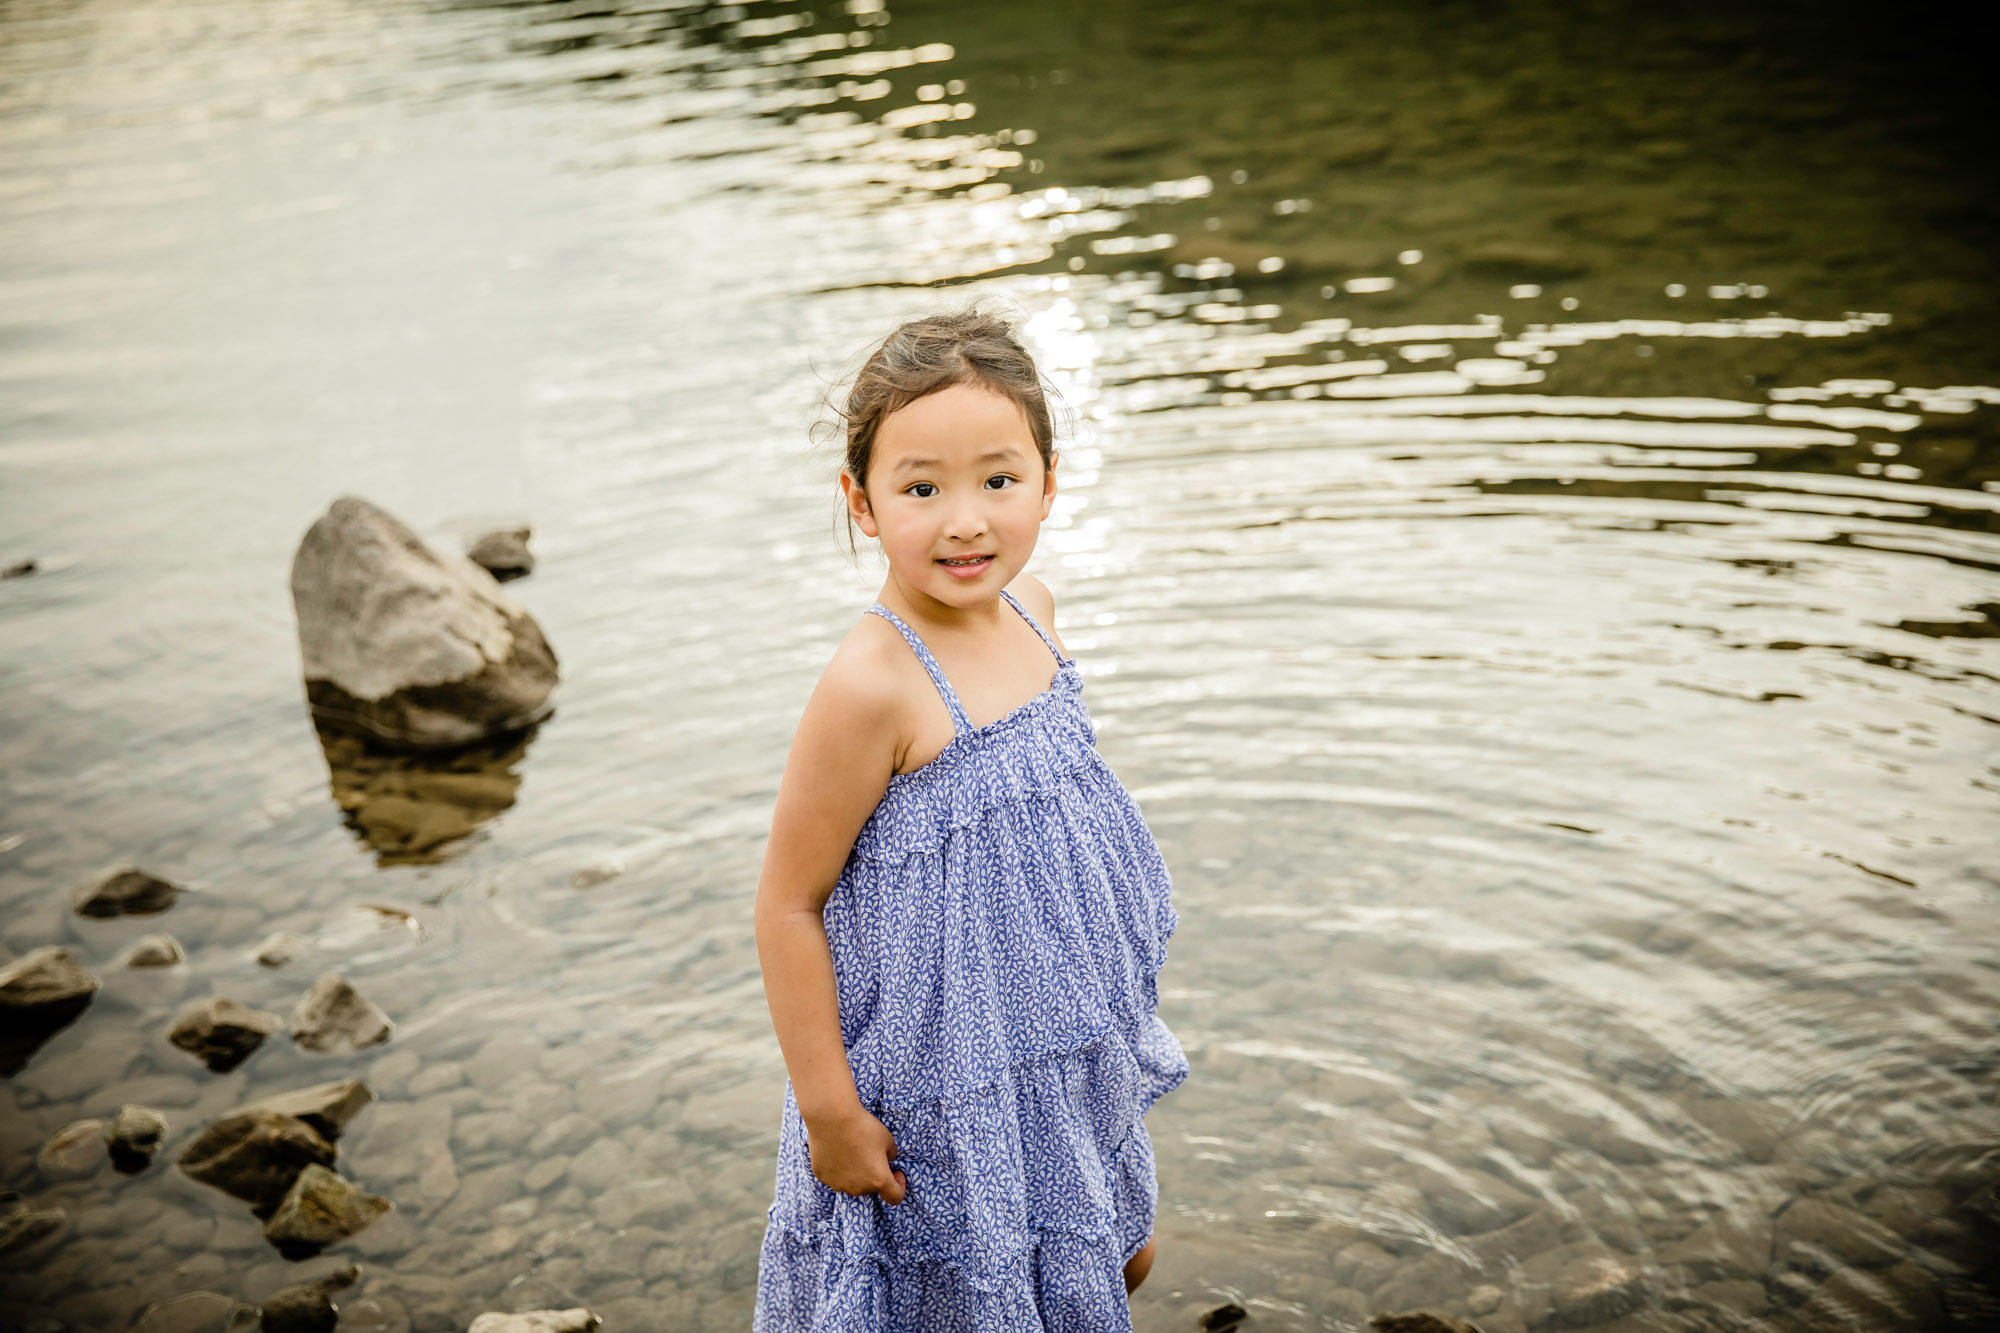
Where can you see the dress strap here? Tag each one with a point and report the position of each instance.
(960, 723)
(1015, 603)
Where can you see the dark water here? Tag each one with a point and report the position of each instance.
(1528, 528)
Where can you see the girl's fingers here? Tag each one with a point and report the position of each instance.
(893, 1192)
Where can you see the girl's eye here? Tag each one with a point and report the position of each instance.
(923, 483)
(1000, 476)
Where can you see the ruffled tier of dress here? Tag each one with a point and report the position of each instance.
(1023, 1203)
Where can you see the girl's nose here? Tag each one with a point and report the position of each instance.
(967, 521)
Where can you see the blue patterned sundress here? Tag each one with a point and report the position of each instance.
(996, 934)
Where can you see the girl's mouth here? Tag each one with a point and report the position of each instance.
(971, 567)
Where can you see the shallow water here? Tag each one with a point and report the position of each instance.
(1528, 530)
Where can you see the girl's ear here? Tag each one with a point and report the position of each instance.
(1049, 484)
(857, 503)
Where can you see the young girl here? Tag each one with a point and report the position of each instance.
(961, 911)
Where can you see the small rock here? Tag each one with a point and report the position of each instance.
(193, 1312)
(1221, 1318)
(133, 1136)
(1597, 1289)
(154, 951)
(255, 1155)
(22, 1225)
(327, 1107)
(19, 569)
(1730, 1245)
(1739, 1296)
(334, 1018)
(1849, 1236)
(280, 947)
(77, 1149)
(321, 1208)
(1852, 1299)
(1420, 1321)
(577, 1320)
(123, 891)
(222, 1033)
(309, 1307)
(41, 992)
(1484, 1299)
(1364, 1265)
(503, 554)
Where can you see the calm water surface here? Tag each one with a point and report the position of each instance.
(1528, 527)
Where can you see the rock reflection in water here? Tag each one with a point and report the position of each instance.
(414, 808)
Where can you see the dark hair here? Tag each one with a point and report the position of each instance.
(921, 356)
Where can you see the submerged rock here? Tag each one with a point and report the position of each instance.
(1420, 1321)
(255, 1155)
(154, 951)
(577, 1320)
(197, 1312)
(77, 1149)
(22, 1225)
(133, 1136)
(41, 992)
(503, 554)
(280, 947)
(333, 1017)
(309, 1307)
(413, 647)
(124, 891)
(327, 1107)
(221, 1033)
(320, 1208)
(1222, 1318)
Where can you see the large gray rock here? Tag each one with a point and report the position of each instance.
(409, 645)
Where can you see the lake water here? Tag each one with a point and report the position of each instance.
(1529, 526)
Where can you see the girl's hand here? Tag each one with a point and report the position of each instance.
(850, 1152)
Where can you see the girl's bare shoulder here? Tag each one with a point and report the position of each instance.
(1041, 604)
(864, 692)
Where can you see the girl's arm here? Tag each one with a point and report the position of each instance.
(842, 756)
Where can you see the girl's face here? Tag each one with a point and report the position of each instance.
(954, 474)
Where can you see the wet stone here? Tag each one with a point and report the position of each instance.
(75, 1150)
(280, 948)
(221, 1033)
(321, 1208)
(334, 1018)
(1736, 1244)
(327, 1107)
(1468, 1201)
(1836, 1230)
(123, 891)
(153, 951)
